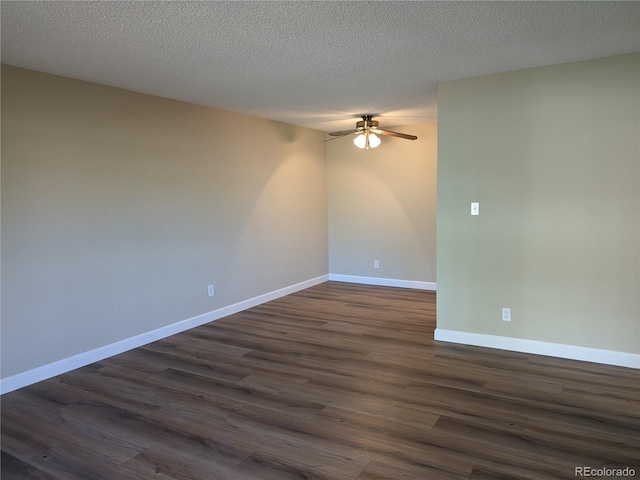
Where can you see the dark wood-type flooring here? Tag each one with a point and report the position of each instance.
(336, 382)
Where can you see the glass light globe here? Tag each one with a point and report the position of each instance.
(360, 141)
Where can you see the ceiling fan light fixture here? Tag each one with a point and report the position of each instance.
(367, 140)
(374, 140)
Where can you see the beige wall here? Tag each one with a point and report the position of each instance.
(382, 206)
(552, 155)
(118, 209)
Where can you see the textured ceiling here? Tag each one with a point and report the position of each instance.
(311, 63)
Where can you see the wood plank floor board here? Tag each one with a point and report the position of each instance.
(313, 363)
(184, 343)
(549, 407)
(157, 462)
(20, 470)
(23, 442)
(428, 459)
(199, 364)
(609, 451)
(211, 359)
(67, 461)
(243, 394)
(244, 339)
(315, 395)
(333, 433)
(377, 470)
(193, 441)
(471, 450)
(498, 472)
(336, 382)
(60, 428)
(265, 467)
(508, 441)
(60, 433)
(126, 394)
(304, 449)
(624, 434)
(215, 405)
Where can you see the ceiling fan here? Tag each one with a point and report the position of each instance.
(368, 131)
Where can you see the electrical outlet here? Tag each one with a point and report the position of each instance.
(376, 264)
(506, 314)
(211, 291)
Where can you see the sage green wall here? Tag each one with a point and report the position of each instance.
(118, 209)
(382, 206)
(552, 155)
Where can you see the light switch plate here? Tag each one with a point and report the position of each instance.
(475, 208)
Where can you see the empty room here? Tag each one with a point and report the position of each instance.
(330, 240)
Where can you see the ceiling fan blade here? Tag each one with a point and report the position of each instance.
(334, 138)
(394, 134)
(343, 133)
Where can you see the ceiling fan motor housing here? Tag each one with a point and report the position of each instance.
(366, 123)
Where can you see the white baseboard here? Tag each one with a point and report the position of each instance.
(44, 372)
(383, 282)
(586, 354)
